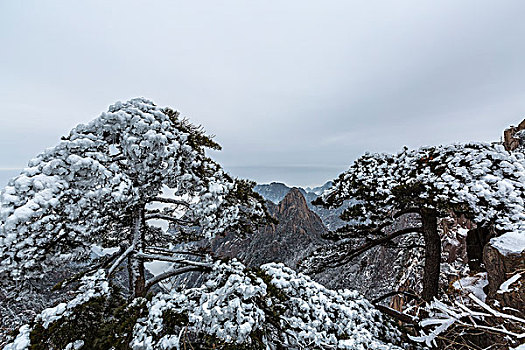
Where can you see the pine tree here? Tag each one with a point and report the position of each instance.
(484, 182)
(107, 181)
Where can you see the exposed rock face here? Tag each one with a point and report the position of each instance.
(513, 138)
(276, 191)
(504, 257)
(296, 235)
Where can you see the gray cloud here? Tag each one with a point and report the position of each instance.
(294, 90)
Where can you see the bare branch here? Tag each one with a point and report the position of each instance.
(400, 213)
(120, 259)
(395, 314)
(172, 259)
(169, 200)
(155, 250)
(159, 216)
(494, 312)
(171, 273)
(374, 243)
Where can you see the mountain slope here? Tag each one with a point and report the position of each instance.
(296, 235)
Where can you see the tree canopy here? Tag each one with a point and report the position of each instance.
(482, 181)
(107, 181)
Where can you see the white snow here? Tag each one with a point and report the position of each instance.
(98, 251)
(158, 267)
(505, 286)
(77, 344)
(22, 341)
(509, 243)
(473, 284)
(229, 306)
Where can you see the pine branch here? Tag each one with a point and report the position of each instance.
(402, 212)
(374, 243)
(159, 216)
(159, 257)
(155, 250)
(396, 314)
(168, 200)
(120, 259)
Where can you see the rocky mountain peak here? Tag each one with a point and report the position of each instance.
(297, 234)
(294, 201)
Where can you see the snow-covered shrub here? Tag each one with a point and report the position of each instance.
(226, 307)
(317, 317)
(273, 307)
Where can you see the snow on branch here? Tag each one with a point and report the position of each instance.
(444, 316)
(158, 216)
(172, 259)
(479, 179)
(121, 258)
(274, 307)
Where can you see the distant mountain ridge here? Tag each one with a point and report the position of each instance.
(276, 191)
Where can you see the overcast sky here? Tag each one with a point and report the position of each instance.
(293, 90)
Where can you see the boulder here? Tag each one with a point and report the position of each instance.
(504, 259)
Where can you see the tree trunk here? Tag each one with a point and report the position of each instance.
(137, 279)
(432, 254)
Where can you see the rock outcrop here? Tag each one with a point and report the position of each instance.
(276, 191)
(513, 138)
(297, 234)
(504, 259)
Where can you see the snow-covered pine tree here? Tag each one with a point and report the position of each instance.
(482, 181)
(104, 184)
